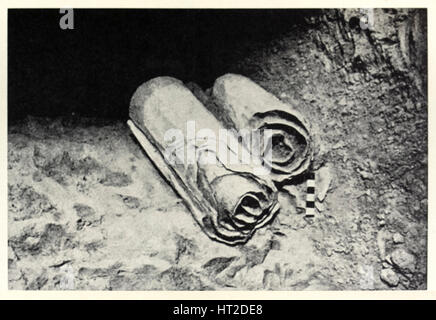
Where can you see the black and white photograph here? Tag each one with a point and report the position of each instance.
(217, 149)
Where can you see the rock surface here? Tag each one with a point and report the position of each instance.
(82, 195)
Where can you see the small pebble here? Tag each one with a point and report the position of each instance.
(403, 260)
(398, 238)
(319, 206)
(389, 277)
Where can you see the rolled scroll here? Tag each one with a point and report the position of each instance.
(228, 200)
(240, 103)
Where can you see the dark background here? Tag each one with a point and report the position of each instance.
(94, 69)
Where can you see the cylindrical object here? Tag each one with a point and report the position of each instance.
(242, 104)
(229, 201)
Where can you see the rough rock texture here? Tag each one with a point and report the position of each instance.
(82, 195)
(390, 277)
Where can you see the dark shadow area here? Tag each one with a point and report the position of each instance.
(94, 69)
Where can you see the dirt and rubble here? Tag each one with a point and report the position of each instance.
(82, 194)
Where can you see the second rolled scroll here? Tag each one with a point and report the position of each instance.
(240, 103)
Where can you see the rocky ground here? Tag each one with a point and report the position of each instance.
(82, 195)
